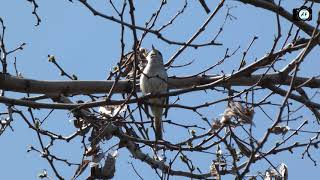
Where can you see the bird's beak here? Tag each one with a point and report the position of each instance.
(153, 47)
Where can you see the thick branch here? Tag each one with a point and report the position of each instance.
(15, 84)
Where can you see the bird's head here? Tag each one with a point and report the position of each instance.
(155, 56)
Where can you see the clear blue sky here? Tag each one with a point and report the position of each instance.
(89, 46)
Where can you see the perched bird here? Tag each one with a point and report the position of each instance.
(153, 80)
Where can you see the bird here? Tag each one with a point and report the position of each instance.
(154, 80)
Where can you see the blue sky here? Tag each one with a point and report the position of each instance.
(89, 47)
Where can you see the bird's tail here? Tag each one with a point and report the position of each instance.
(157, 121)
(158, 128)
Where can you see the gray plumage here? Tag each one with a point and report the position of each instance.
(154, 80)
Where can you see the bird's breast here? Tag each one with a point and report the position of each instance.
(154, 80)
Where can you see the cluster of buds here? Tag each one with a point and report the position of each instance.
(218, 165)
(243, 115)
(280, 174)
(110, 111)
